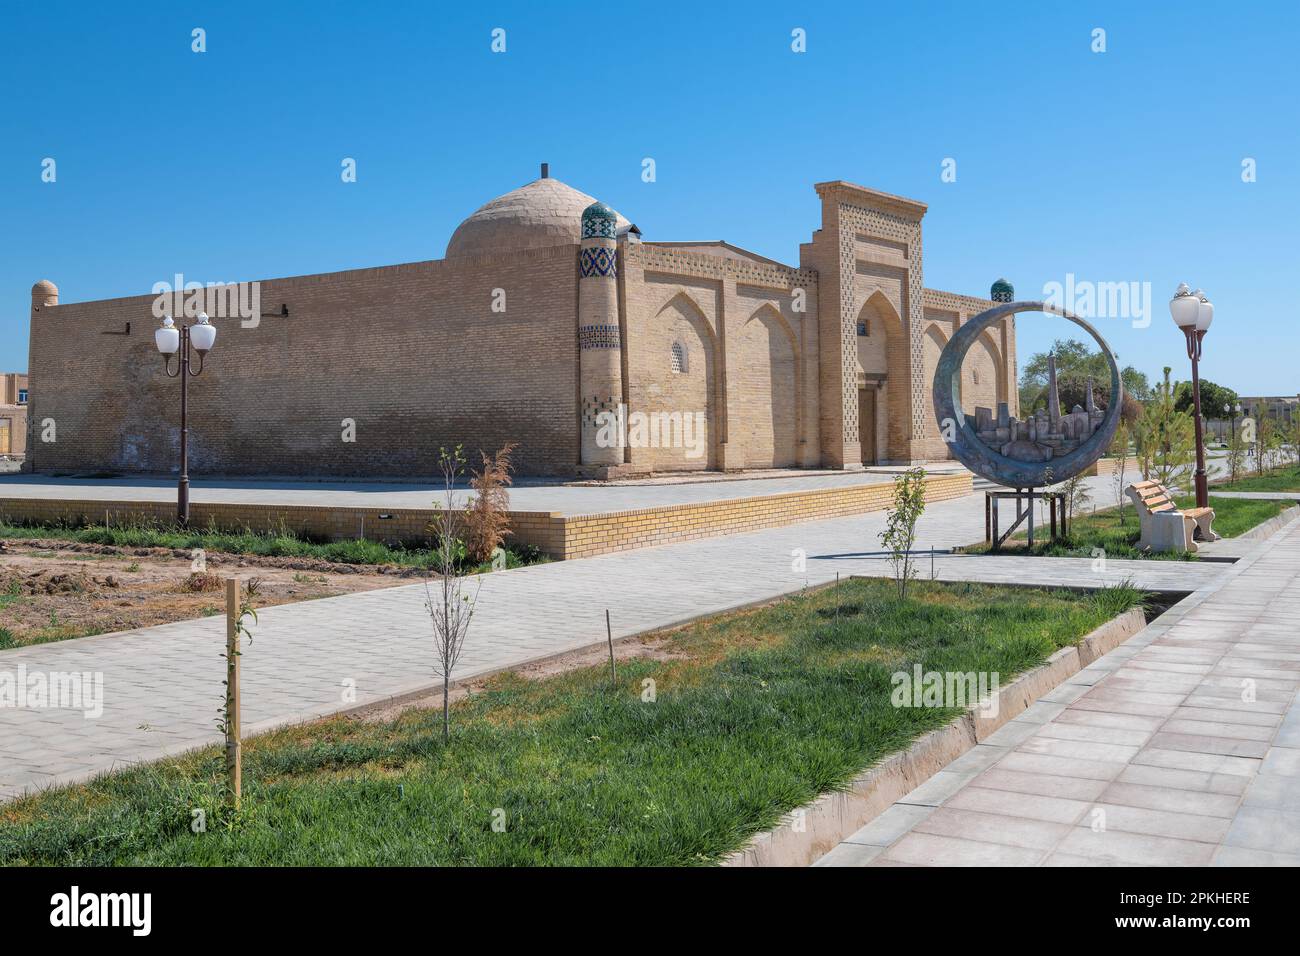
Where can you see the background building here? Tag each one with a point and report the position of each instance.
(1284, 408)
(547, 316)
(13, 414)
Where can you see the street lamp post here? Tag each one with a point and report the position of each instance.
(170, 341)
(1193, 312)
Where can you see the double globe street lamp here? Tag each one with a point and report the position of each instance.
(1193, 313)
(170, 341)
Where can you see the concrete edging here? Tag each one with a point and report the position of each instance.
(807, 833)
(1268, 528)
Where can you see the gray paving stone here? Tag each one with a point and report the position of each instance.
(891, 824)
(1260, 828)
(938, 788)
(1282, 761)
(850, 854)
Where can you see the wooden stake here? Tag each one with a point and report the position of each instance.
(234, 748)
(609, 635)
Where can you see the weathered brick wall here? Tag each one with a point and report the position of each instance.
(412, 353)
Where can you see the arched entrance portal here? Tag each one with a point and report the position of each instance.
(883, 422)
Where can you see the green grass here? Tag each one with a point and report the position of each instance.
(1283, 479)
(1118, 537)
(758, 713)
(270, 544)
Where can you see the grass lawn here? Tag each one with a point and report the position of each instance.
(1118, 537)
(756, 712)
(281, 544)
(1282, 479)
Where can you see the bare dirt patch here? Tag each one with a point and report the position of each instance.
(52, 590)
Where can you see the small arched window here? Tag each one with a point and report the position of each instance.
(678, 358)
(864, 329)
(975, 374)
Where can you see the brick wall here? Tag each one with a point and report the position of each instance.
(560, 536)
(413, 354)
(752, 355)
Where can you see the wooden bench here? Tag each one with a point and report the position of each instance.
(1164, 527)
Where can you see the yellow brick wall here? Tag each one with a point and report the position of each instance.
(413, 354)
(561, 537)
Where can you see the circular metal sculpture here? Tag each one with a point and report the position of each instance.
(1040, 450)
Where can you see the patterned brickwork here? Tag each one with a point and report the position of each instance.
(598, 337)
(855, 219)
(598, 261)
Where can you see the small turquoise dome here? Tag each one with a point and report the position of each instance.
(1002, 291)
(599, 222)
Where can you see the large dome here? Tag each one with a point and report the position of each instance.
(546, 212)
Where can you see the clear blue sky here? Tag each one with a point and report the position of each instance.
(1116, 166)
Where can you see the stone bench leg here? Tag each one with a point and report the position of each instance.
(1203, 529)
(1171, 531)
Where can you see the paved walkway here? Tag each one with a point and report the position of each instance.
(1154, 755)
(559, 498)
(162, 685)
(1258, 495)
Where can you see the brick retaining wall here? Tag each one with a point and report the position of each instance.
(559, 536)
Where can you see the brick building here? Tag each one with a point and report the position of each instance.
(551, 323)
(13, 414)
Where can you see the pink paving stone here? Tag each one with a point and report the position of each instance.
(1061, 766)
(1064, 730)
(928, 849)
(1136, 848)
(1171, 799)
(1031, 806)
(1209, 763)
(1095, 718)
(1199, 743)
(992, 828)
(1177, 725)
(1047, 785)
(1181, 826)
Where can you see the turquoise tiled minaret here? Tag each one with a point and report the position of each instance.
(599, 340)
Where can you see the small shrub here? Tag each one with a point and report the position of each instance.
(200, 582)
(487, 517)
(900, 525)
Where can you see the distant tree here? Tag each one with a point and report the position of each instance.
(1075, 364)
(1131, 412)
(1216, 401)
(1136, 383)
